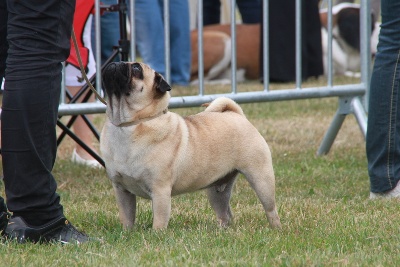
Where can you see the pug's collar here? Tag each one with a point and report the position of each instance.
(136, 122)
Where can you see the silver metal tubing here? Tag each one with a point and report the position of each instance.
(132, 25)
(233, 43)
(97, 29)
(330, 135)
(330, 64)
(265, 47)
(244, 97)
(167, 42)
(298, 44)
(277, 95)
(200, 45)
(360, 115)
(63, 87)
(365, 46)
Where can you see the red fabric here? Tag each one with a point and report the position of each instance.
(83, 9)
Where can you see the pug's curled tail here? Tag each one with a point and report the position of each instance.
(223, 104)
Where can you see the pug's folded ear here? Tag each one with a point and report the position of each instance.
(161, 84)
(164, 86)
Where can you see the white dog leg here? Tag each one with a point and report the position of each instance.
(161, 208)
(263, 183)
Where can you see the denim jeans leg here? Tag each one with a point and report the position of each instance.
(150, 34)
(383, 132)
(39, 40)
(180, 42)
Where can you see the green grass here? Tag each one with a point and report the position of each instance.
(322, 201)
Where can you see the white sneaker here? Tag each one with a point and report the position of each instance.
(393, 193)
(92, 163)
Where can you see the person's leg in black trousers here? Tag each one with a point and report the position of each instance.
(211, 12)
(250, 11)
(3, 55)
(3, 37)
(38, 36)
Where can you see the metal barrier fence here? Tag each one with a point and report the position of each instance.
(352, 98)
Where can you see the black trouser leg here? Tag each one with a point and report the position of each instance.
(3, 36)
(39, 40)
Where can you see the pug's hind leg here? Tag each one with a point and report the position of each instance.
(126, 202)
(263, 183)
(219, 195)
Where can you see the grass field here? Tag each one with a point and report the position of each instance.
(323, 203)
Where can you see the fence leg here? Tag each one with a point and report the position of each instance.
(345, 108)
(360, 114)
(331, 134)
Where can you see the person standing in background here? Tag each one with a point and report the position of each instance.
(383, 130)
(150, 37)
(249, 11)
(282, 41)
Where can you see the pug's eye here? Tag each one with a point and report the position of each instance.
(137, 71)
(127, 94)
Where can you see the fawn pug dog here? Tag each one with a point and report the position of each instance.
(155, 154)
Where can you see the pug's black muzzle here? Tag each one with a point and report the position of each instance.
(117, 79)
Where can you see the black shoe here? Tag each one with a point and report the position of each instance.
(4, 217)
(58, 230)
